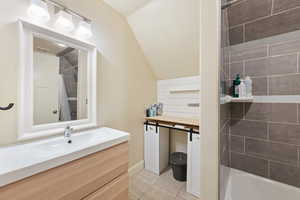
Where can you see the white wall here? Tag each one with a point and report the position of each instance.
(177, 104)
(167, 31)
(126, 83)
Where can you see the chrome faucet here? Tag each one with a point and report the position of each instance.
(68, 134)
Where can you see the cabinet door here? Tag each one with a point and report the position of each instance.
(147, 138)
(153, 149)
(116, 190)
(149, 148)
(193, 165)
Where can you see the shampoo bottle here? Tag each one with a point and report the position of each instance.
(242, 89)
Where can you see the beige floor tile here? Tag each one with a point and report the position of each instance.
(133, 196)
(167, 183)
(183, 195)
(157, 194)
(148, 186)
(138, 186)
(147, 176)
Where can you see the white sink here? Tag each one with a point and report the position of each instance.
(21, 161)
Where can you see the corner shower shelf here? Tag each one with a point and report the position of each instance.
(262, 99)
(242, 99)
(230, 99)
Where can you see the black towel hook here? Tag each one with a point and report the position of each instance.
(8, 107)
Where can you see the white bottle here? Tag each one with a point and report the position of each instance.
(242, 89)
(248, 83)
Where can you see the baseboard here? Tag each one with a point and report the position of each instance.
(136, 168)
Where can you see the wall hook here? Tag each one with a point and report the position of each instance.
(8, 107)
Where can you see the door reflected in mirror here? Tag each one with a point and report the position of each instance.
(60, 82)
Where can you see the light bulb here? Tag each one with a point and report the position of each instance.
(84, 30)
(38, 10)
(64, 21)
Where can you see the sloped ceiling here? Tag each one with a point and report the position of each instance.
(126, 7)
(167, 31)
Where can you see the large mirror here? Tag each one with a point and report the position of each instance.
(60, 82)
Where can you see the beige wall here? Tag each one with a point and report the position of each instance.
(126, 85)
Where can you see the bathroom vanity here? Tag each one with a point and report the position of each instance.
(93, 167)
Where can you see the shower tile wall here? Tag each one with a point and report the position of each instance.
(265, 137)
(255, 19)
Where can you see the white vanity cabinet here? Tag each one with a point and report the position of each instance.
(156, 148)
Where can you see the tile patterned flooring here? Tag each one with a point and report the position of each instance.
(145, 185)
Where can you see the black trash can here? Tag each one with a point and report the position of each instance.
(178, 161)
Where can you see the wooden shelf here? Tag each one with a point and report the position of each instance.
(173, 121)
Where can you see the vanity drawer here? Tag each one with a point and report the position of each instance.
(74, 180)
(116, 190)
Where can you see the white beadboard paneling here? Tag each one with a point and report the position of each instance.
(177, 103)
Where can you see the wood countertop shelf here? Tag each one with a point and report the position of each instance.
(173, 121)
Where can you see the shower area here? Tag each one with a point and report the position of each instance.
(260, 138)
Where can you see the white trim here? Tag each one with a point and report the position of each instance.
(26, 129)
(39, 28)
(136, 168)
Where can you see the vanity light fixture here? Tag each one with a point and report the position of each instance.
(84, 30)
(38, 10)
(64, 21)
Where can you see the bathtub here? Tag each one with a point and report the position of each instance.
(245, 186)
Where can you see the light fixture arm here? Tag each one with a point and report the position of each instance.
(70, 11)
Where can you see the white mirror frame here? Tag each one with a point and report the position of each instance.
(26, 128)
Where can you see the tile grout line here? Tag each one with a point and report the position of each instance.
(244, 69)
(244, 33)
(298, 54)
(269, 168)
(271, 141)
(262, 157)
(272, 7)
(268, 132)
(298, 157)
(266, 121)
(297, 112)
(268, 78)
(244, 144)
(265, 17)
(265, 57)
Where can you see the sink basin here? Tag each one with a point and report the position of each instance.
(24, 160)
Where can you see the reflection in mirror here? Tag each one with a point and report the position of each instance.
(60, 82)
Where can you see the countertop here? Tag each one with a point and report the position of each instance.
(24, 160)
